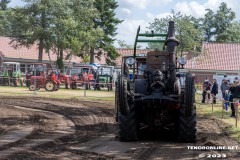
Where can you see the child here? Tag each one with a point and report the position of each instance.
(226, 100)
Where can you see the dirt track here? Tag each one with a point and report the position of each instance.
(73, 129)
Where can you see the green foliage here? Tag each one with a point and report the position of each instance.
(216, 26)
(3, 4)
(4, 23)
(108, 23)
(207, 24)
(186, 30)
(123, 44)
(57, 25)
(233, 33)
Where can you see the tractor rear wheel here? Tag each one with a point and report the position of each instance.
(187, 113)
(15, 82)
(50, 86)
(73, 85)
(66, 85)
(127, 122)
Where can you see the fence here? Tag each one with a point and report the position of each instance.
(90, 88)
(222, 104)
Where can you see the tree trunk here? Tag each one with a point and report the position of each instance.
(92, 55)
(40, 50)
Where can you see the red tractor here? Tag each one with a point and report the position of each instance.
(82, 76)
(39, 78)
(65, 79)
(50, 82)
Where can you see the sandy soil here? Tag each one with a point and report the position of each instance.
(44, 128)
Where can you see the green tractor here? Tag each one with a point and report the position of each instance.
(11, 74)
(104, 78)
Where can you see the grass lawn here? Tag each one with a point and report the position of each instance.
(218, 113)
(61, 93)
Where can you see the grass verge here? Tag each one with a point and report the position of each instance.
(216, 111)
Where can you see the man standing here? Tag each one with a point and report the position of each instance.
(236, 96)
(206, 90)
(214, 90)
(224, 87)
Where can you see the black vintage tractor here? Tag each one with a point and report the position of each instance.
(158, 93)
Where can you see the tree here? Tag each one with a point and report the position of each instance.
(108, 22)
(4, 23)
(222, 21)
(186, 30)
(60, 25)
(32, 23)
(3, 4)
(123, 44)
(232, 34)
(215, 25)
(207, 25)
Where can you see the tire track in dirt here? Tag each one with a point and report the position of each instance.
(96, 130)
(63, 128)
(90, 121)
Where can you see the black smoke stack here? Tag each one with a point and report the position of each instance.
(172, 44)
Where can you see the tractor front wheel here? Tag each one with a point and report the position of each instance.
(50, 86)
(187, 113)
(127, 121)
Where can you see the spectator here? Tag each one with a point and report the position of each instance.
(225, 77)
(236, 96)
(224, 87)
(231, 100)
(206, 90)
(214, 90)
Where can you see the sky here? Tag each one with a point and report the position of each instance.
(142, 12)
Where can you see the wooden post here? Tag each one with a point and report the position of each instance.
(236, 113)
(212, 104)
(222, 108)
(85, 85)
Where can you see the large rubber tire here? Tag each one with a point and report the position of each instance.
(1, 81)
(87, 86)
(116, 99)
(27, 81)
(15, 82)
(187, 114)
(31, 87)
(73, 85)
(66, 85)
(187, 127)
(50, 86)
(127, 121)
(57, 86)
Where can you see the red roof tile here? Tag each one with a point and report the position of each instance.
(8, 51)
(217, 56)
